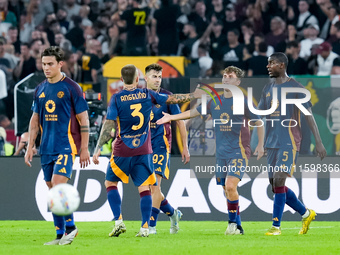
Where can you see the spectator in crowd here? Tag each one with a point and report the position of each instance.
(3, 92)
(71, 67)
(61, 17)
(336, 66)
(4, 121)
(258, 38)
(189, 30)
(12, 38)
(311, 37)
(21, 150)
(277, 32)
(336, 43)
(204, 60)
(325, 59)
(230, 22)
(305, 18)
(217, 40)
(248, 34)
(312, 63)
(331, 12)
(91, 66)
(198, 17)
(136, 21)
(72, 8)
(76, 34)
(286, 12)
(254, 17)
(233, 51)
(43, 8)
(296, 64)
(58, 37)
(6, 16)
(218, 10)
(36, 48)
(164, 28)
(26, 64)
(84, 20)
(267, 9)
(257, 64)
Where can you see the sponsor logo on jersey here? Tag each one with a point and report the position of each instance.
(42, 95)
(60, 94)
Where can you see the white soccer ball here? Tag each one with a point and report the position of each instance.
(63, 199)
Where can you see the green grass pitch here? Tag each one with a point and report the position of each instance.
(200, 237)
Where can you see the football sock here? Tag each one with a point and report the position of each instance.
(232, 210)
(166, 207)
(115, 202)
(59, 224)
(238, 217)
(306, 214)
(279, 204)
(294, 202)
(69, 223)
(145, 207)
(154, 216)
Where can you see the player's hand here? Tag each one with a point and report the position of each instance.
(185, 156)
(95, 157)
(84, 158)
(199, 92)
(320, 150)
(166, 118)
(259, 151)
(28, 156)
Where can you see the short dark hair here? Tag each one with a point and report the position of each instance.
(293, 44)
(153, 66)
(263, 47)
(280, 57)
(128, 73)
(54, 51)
(235, 31)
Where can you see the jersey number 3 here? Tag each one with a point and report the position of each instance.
(136, 113)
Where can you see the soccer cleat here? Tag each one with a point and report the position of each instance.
(273, 231)
(53, 242)
(306, 222)
(118, 229)
(232, 229)
(68, 238)
(152, 230)
(239, 227)
(143, 232)
(174, 221)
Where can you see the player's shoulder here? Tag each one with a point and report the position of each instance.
(294, 83)
(71, 83)
(164, 91)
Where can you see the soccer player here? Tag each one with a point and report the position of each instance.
(283, 143)
(161, 146)
(60, 112)
(129, 113)
(232, 143)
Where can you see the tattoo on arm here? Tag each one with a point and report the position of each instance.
(105, 134)
(179, 98)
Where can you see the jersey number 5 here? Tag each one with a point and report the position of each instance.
(136, 113)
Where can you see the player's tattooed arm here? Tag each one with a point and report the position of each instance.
(179, 98)
(105, 134)
(183, 98)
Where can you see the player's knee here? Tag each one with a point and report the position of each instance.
(230, 188)
(155, 190)
(109, 184)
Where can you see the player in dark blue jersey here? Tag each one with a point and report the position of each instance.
(283, 141)
(161, 146)
(232, 143)
(60, 113)
(129, 113)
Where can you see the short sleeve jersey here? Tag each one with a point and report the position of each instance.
(161, 134)
(233, 137)
(286, 134)
(57, 105)
(132, 111)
